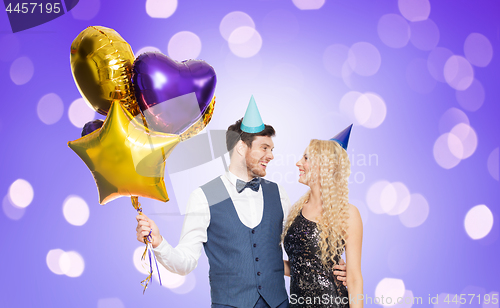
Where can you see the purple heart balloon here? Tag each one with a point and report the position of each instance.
(172, 95)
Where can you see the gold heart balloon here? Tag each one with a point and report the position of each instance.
(126, 158)
(101, 63)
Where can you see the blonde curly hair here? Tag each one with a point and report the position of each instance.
(330, 165)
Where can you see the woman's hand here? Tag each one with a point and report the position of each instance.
(341, 272)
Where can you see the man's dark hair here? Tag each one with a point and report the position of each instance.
(235, 134)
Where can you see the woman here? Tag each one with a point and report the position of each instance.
(321, 225)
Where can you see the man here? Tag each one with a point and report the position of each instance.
(238, 218)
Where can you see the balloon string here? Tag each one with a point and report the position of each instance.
(148, 240)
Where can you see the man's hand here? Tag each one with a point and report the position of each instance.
(341, 272)
(144, 226)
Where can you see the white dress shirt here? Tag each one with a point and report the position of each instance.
(249, 205)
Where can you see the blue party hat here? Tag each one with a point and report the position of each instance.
(342, 138)
(252, 122)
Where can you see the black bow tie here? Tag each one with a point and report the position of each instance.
(253, 184)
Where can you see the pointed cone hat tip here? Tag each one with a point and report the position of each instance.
(252, 122)
(342, 138)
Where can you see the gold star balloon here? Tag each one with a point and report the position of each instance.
(125, 157)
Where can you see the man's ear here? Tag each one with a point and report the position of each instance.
(241, 148)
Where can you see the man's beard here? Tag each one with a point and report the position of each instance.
(253, 167)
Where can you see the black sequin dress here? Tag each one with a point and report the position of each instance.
(311, 284)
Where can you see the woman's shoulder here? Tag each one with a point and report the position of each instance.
(354, 214)
(353, 209)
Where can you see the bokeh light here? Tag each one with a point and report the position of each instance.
(362, 109)
(415, 10)
(407, 300)
(416, 213)
(75, 210)
(436, 62)
(161, 8)
(79, 113)
(478, 49)
(451, 118)
(388, 198)
(138, 264)
(368, 110)
(72, 264)
(308, 4)
(168, 279)
(347, 73)
(472, 98)
(86, 10)
(52, 259)
(50, 108)
(390, 288)
(443, 154)
(468, 140)
(364, 59)
(147, 49)
(374, 196)
(424, 34)
(21, 193)
(187, 286)
(334, 58)
(347, 104)
(478, 222)
(184, 45)
(12, 211)
(378, 110)
(455, 146)
(393, 30)
(402, 198)
(245, 42)
(458, 73)
(418, 77)
(21, 70)
(233, 21)
(493, 164)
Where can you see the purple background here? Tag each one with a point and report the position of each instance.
(300, 98)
